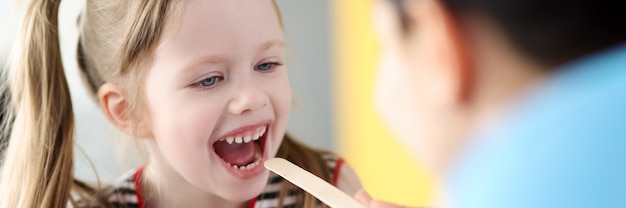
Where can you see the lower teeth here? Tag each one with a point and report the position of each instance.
(249, 166)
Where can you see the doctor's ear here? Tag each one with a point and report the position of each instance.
(115, 106)
(434, 36)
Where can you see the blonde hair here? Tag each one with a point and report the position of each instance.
(116, 41)
(37, 168)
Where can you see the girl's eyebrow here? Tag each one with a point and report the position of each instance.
(205, 60)
(272, 43)
(218, 59)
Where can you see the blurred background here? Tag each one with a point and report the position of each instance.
(332, 60)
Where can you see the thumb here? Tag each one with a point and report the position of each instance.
(362, 197)
(382, 204)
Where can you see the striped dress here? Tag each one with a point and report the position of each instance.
(127, 193)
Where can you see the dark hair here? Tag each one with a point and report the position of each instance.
(5, 117)
(550, 32)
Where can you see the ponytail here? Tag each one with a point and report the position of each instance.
(37, 168)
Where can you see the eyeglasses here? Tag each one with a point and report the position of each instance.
(403, 17)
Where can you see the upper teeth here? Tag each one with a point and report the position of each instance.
(247, 136)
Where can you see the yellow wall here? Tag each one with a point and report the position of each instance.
(384, 166)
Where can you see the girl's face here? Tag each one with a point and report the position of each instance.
(218, 98)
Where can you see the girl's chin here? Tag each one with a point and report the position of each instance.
(247, 190)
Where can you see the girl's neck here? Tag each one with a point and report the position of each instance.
(162, 187)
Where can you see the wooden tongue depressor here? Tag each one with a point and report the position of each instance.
(319, 188)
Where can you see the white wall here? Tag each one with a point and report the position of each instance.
(7, 28)
(307, 35)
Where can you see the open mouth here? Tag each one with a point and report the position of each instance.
(242, 151)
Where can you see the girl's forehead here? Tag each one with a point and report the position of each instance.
(219, 20)
(221, 28)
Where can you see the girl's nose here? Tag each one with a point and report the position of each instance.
(248, 97)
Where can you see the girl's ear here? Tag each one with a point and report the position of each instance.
(442, 44)
(116, 108)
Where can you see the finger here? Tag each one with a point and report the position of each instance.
(382, 204)
(362, 197)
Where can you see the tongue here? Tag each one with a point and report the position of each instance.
(236, 154)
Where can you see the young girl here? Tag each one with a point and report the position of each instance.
(201, 83)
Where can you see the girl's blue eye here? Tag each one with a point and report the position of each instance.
(208, 82)
(265, 66)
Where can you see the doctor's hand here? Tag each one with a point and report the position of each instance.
(365, 199)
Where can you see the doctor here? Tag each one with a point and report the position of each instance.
(518, 103)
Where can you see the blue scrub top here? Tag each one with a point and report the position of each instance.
(562, 145)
